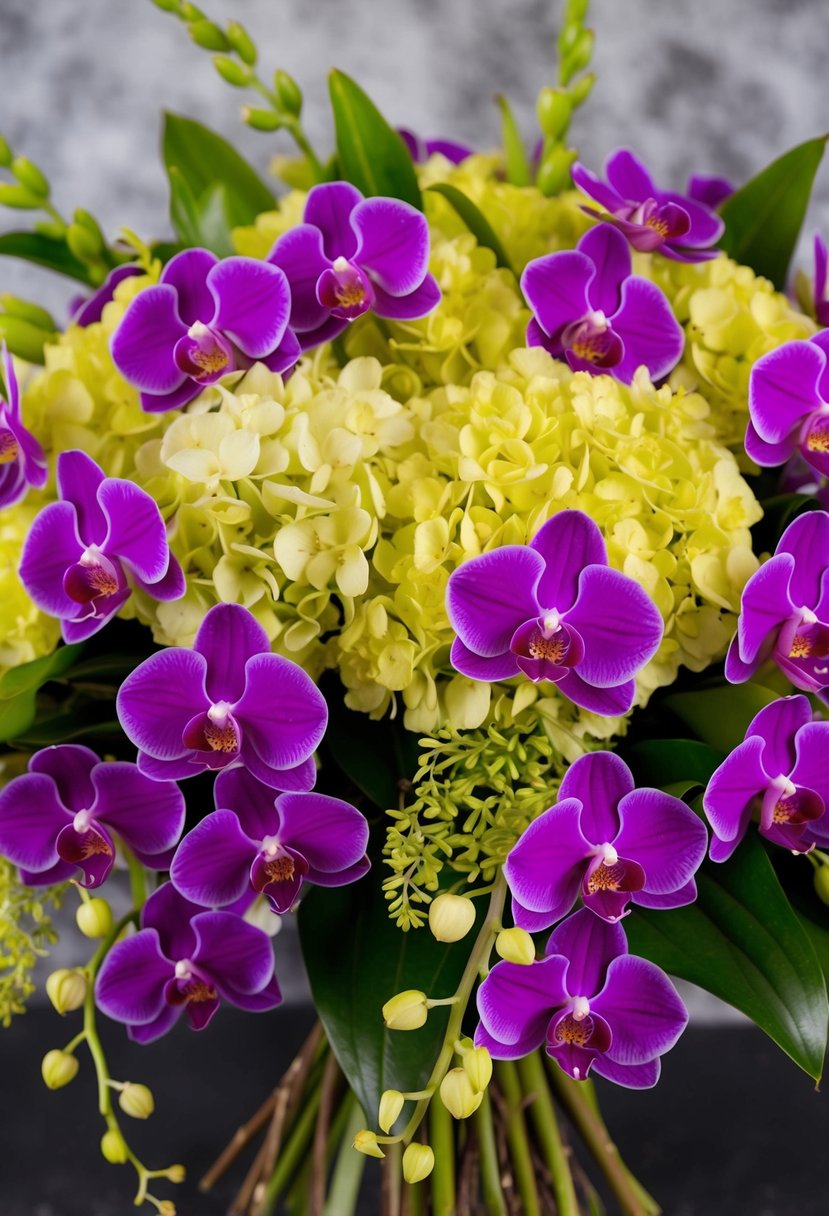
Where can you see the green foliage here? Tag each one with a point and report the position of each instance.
(48, 251)
(515, 154)
(26, 933)
(19, 688)
(475, 220)
(371, 154)
(720, 716)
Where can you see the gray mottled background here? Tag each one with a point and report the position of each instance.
(716, 86)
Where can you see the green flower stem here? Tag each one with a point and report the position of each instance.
(293, 1152)
(348, 1171)
(633, 1199)
(494, 1203)
(138, 877)
(542, 1112)
(294, 128)
(507, 1078)
(442, 1140)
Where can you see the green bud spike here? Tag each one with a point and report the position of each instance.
(553, 109)
(54, 229)
(576, 10)
(208, 35)
(13, 306)
(554, 170)
(23, 338)
(168, 6)
(287, 91)
(18, 197)
(242, 43)
(29, 176)
(191, 12)
(5, 153)
(85, 245)
(262, 120)
(577, 59)
(233, 73)
(581, 90)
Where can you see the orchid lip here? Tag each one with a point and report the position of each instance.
(9, 447)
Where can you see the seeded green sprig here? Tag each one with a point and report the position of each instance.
(26, 934)
(555, 106)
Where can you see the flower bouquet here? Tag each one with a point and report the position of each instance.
(372, 555)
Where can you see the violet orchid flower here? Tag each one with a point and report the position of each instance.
(788, 405)
(22, 462)
(820, 287)
(184, 959)
(554, 610)
(226, 702)
(595, 1007)
(598, 841)
(351, 255)
(779, 775)
(86, 310)
(271, 843)
(60, 816)
(784, 612)
(677, 225)
(590, 310)
(83, 552)
(204, 319)
(421, 149)
(710, 191)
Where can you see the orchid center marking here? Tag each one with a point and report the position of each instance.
(350, 291)
(207, 353)
(576, 1031)
(281, 869)
(9, 447)
(100, 575)
(220, 731)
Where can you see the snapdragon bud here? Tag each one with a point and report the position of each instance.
(391, 1104)
(66, 989)
(458, 1095)
(113, 1147)
(821, 881)
(136, 1101)
(516, 946)
(366, 1142)
(406, 1011)
(477, 1064)
(451, 917)
(418, 1162)
(58, 1069)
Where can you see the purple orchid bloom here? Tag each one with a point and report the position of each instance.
(820, 287)
(677, 225)
(82, 552)
(351, 255)
(270, 843)
(204, 319)
(710, 191)
(86, 310)
(22, 462)
(788, 405)
(590, 310)
(226, 702)
(778, 773)
(554, 610)
(595, 1006)
(421, 149)
(784, 612)
(59, 816)
(598, 841)
(185, 959)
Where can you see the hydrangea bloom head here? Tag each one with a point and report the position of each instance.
(271, 843)
(788, 404)
(594, 1006)
(554, 610)
(226, 702)
(778, 774)
(203, 319)
(598, 841)
(677, 225)
(185, 960)
(22, 462)
(352, 255)
(589, 309)
(81, 551)
(60, 815)
(784, 613)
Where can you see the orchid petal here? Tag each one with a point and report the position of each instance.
(70, 766)
(51, 546)
(568, 542)
(212, 863)
(237, 956)
(282, 711)
(610, 254)
(253, 303)
(807, 540)
(142, 345)
(130, 984)
(599, 780)
(489, 596)
(187, 273)
(393, 243)
(670, 855)
(620, 624)
(642, 1008)
(79, 478)
(228, 636)
(783, 388)
(464, 660)
(777, 724)
(732, 789)
(515, 1002)
(545, 867)
(147, 814)
(589, 944)
(299, 253)
(556, 289)
(158, 699)
(331, 835)
(136, 531)
(610, 702)
(329, 207)
(31, 816)
(651, 334)
(766, 604)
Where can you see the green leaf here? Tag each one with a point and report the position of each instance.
(374, 756)
(720, 716)
(19, 688)
(664, 762)
(204, 221)
(204, 160)
(743, 942)
(356, 960)
(764, 218)
(372, 155)
(475, 220)
(44, 251)
(515, 154)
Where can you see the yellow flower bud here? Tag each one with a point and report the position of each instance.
(391, 1104)
(516, 946)
(166, 1208)
(366, 1142)
(176, 1173)
(821, 881)
(458, 1095)
(113, 1147)
(406, 1011)
(136, 1101)
(58, 1069)
(66, 989)
(418, 1162)
(94, 918)
(477, 1064)
(451, 917)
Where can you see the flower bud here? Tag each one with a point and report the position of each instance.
(418, 1162)
(288, 92)
(451, 917)
(554, 171)
(516, 946)
(821, 881)
(136, 1101)
(84, 244)
(457, 1094)
(113, 1147)
(23, 338)
(366, 1142)
(66, 989)
(261, 120)
(5, 153)
(208, 35)
(27, 311)
(191, 12)
(54, 229)
(242, 43)
(166, 1208)
(94, 918)
(581, 90)
(176, 1173)
(28, 174)
(391, 1104)
(477, 1064)
(58, 1069)
(232, 72)
(18, 197)
(406, 1011)
(168, 6)
(553, 108)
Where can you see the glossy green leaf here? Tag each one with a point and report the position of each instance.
(515, 154)
(44, 251)
(372, 156)
(204, 221)
(743, 942)
(375, 756)
(720, 716)
(764, 218)
(664, 762)
(19, 688)
(475, 220)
